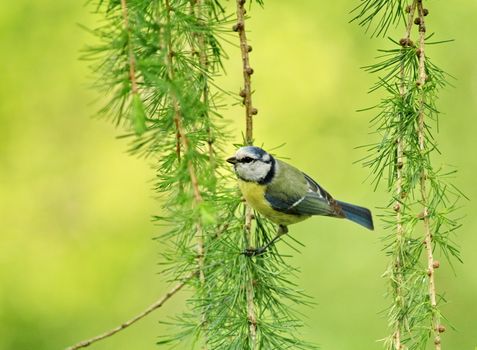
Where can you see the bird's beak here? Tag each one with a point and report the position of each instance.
(232, 160)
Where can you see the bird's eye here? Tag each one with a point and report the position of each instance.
(246, 160)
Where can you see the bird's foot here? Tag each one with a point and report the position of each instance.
(254, 251)
(282, 230)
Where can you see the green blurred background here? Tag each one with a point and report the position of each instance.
(76, 249)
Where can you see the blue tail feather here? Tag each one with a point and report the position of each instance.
(357, 214)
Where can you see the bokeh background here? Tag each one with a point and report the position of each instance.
(76, 249)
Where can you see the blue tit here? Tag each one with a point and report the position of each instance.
(286, 195)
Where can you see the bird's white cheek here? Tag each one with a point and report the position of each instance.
(242, 172)
(252, 171)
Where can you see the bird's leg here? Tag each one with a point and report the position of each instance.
(282, 230)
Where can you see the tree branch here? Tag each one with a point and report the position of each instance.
(431, 263)
(405, 150)
(250, 111)
(246, 93)
(154, 306)
(132, 60)
(198, 9)
(170, 72)
(251, 313)
(399, 183)
(184, 141)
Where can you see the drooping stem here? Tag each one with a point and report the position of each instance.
(410, 18)
(197, 9)
(246, 93)
(132, 60)
(428, 241)
(170, 71)
(411, 81)
(251, 312)
(250, 111)
(183, 142)
(198, 6)
(400, 195)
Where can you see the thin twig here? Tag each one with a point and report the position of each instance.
(181, 135)
(252, 319)
(204, 64)
(169, 60)
(251, 313)
(184, 141)
(198, 9)
(410, 18)
(154, 306)
(399, 190)
(423, 179)
(246, 94)
(132, 60)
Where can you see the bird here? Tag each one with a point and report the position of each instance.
(286, 195)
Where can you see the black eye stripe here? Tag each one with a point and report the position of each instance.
(246, 160)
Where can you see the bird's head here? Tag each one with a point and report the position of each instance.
(253, 164)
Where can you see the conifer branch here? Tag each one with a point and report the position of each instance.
(140, 316)
(199, 6)
(246, 94)
(400, 194)
(183, 143)
(243, 302)
(411, 82)
(251, 311)
(411, 10)
(428, 241)
(181, 134)
(169, 64)
(132, 60)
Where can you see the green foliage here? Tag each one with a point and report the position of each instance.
(384, 12)
(230, 275)
(406, 122)
(157, 62)
(74, 207)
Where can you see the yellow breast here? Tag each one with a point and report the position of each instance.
(254, 194)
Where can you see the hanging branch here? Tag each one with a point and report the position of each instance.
(428, 241)
(420, 193)
(180, 137)
(174, 88)
(397, 283)
(246, 93)
(242, 302)
(137, 109)
(198, 8)
(184, 142)
(132, 61)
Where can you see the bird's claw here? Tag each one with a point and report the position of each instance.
(254, 251)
